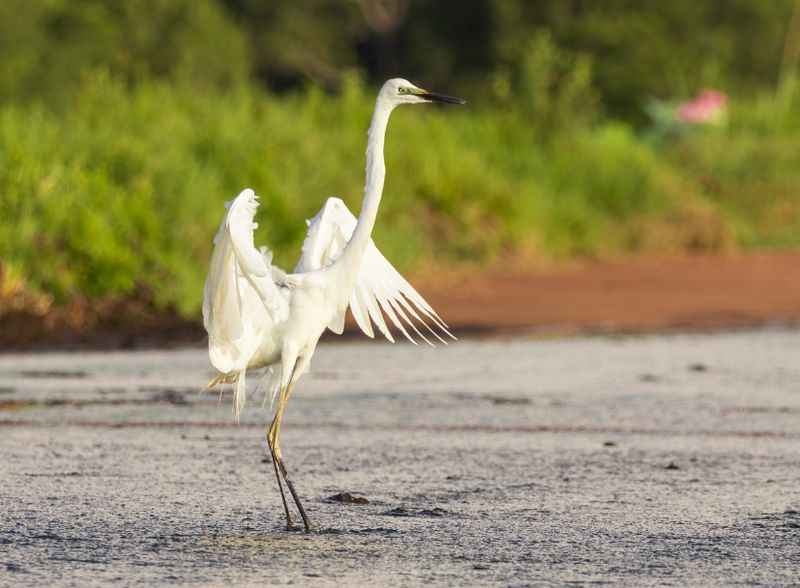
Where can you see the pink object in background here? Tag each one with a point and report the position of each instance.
(708, 107)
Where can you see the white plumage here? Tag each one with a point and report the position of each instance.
(256, 315)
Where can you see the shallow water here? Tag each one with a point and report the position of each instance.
(663, 460)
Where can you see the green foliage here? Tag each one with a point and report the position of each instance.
(550, 87)
(633, 50)
(121, 193)
(124, 126)
(665, 50)
(751, 169)
(47, 46)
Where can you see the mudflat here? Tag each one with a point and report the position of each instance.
(639, 460)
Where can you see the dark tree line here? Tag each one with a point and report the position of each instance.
(636, 49)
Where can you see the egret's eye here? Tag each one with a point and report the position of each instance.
(402, 90)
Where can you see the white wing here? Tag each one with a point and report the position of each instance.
(241, 298)
(379, 287)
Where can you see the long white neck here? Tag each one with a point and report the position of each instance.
(350, 260)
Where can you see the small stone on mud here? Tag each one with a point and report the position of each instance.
(480, 567)
(698, 367)
(650, 378)
(672, 466)
(609, 444)
(433, 512)
(401, 511)
(347, 498)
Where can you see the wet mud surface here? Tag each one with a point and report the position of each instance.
(517, 463)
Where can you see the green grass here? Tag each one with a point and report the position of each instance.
(120, 194)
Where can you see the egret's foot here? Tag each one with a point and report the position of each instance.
(308, 526)
(290, 526)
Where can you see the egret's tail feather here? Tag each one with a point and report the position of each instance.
(272, 384)
(239, 382)
(239, 394)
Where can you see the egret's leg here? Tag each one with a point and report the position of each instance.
(274, 434)
(289, 523)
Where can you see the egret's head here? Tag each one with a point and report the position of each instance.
(399, 91)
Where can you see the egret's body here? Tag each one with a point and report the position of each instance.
(258, 316)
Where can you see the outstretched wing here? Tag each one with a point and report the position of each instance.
(241, 297)
(379, 287)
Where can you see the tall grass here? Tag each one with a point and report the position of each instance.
(120, 194)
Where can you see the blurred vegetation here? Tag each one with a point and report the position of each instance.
(124, 126)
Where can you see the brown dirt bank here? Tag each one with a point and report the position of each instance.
(642, 294)
(633, 295)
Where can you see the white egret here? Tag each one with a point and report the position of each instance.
(259, 316)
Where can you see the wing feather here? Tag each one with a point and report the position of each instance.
(375, 312)
(379, 288)
(360, 312)
(240, 298)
